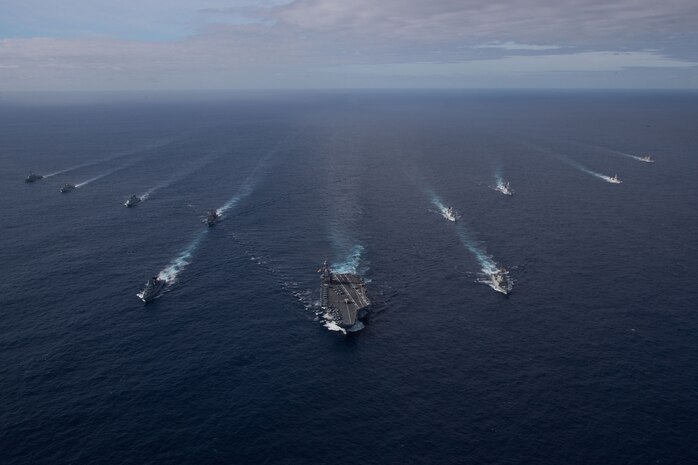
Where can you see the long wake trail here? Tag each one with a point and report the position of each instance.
(106, 173)
(247, 186)
(103, 160)
(627, 155)
(179, 263)
(173, 179)
(584, 169)
(499, 184)
(488, 266)
(577, 166)
(498, 179)
(438, 203)
(186, 256)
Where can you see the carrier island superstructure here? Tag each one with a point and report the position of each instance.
(343, 297)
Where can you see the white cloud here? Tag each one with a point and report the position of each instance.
(573, 62)
(516, 46)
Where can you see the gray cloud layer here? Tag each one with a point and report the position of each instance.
(321, 43)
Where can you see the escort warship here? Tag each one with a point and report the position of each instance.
(212, 217)
(33, 177)
(500, 281)
(504, 188)
(132, 201)
(153, 288)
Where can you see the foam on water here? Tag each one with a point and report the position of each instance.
(332, 325)
(176, 266)
(148, 193)
(438, 203)
(498, 179)
(84, 183)
(351, 262)
(499, 185)
(436, 200)
(487, 264)
(609, 179)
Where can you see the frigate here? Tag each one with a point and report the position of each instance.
(211, 217)
(33, 177)
(153, 289)
(132, 201)
(500, 281)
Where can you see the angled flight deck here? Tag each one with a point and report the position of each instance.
(344, 296)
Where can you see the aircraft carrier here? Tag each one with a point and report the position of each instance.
(343, 296)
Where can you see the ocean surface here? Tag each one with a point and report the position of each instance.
(591, 359)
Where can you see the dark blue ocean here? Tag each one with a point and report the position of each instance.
(592, 358)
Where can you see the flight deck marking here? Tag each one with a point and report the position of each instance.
(357, 293)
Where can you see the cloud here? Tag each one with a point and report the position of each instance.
(524, 21)
(540, 64)
(516, 46)
(242, 43)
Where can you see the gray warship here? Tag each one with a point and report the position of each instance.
(153, 289)
(211, 217)
(500, 281)
(33, 177)
(132, 201)
(343, 297)
(67, 188)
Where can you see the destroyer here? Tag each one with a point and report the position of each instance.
(343, 297)
(647, 158)
(132, 201)
(500, 282)
(153, 289)
(212, 217)
(33, 177)
(614, 179)
(67, 188)
(504, 188)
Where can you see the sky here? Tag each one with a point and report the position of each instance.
(94, 45)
